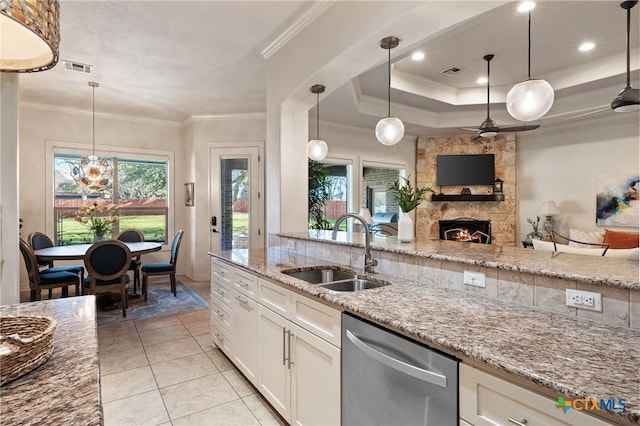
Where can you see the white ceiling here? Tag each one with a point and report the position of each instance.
(176, 59)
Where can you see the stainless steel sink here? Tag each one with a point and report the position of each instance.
(334, 279)
(354, 285)
(321, 275)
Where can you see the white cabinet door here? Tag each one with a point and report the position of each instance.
(315, 398)
(245, 332)
(274, 380)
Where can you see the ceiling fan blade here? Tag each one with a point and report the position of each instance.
(519, 128)
(469, 129)
(598, 111)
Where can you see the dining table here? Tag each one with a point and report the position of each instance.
(77, 251)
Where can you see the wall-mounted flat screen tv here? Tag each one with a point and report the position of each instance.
(465, 170)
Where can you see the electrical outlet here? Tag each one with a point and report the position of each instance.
(584, 300)
(474, 278)
(291, 245)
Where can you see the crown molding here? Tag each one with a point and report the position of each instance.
(307, 17)
(230, 116)
(67, 110)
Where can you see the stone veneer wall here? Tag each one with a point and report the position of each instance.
(502, 214)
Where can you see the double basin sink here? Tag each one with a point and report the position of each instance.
(334, 279)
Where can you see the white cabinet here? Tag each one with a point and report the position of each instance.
(488, 400)
(245, 332)
(274, 380)
(315, 381)
(286, 344)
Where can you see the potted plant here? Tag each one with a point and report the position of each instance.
(408, 199)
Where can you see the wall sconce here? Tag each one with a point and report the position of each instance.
(188, 194)
(497, 186)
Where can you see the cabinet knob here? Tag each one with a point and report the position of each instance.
(220, 338)
(219, 314)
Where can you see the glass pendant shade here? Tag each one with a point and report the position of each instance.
(29, 35)
(530, 99)
(389, 130)
(317, 149)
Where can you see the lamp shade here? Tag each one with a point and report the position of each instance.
(389, 130)
(317, 149)
(29, 35)
(530, 99)
(549, 208)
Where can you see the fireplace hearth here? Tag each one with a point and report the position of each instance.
(466, 229)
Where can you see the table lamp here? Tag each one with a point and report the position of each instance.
(549, 209)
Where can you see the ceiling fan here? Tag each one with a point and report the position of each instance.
(489, 128)
(629, 98)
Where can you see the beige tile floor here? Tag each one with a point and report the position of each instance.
(166, 371)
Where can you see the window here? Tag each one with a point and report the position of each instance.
(138, 187)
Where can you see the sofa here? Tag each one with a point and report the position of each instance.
(607, 243)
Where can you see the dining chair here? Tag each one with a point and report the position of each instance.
(37, 241)
(107, 263)
(153, 269)
(40, 281)
(133, 236)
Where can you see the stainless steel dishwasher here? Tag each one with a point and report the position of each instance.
(388, 379)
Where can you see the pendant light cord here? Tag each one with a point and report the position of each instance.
(488, 84)
(389, 84)
(318, 115)
(529, 57)
(93, 88)
(628, 49)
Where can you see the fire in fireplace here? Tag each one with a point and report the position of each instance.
(466, 229)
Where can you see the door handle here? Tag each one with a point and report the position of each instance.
(284, 344)
(522, 422)
(291, 335)
(396, 364)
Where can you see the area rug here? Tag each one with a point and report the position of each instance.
(160, 303)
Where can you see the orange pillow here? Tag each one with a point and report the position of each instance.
(621, 240)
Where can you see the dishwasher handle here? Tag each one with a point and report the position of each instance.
(412, 370)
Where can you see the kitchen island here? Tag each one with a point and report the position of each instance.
(66, 389)
(552, 354)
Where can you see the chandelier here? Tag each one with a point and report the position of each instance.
(94, 174)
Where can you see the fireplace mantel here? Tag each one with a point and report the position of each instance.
(467, 197)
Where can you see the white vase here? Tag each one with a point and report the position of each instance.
(406, 230)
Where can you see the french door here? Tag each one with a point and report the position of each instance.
(236, 204)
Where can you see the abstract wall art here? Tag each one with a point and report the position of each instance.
(617, 202)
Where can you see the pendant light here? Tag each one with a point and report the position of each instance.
(389, 130)
(94, 173)
(531, 99)
(317, 149)
(627, 100)
(29, 35)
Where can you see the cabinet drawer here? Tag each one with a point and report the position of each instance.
(221, 272)
(222, 293)
(223, 314)
(321, 320)
(246, 284)
(489, 400)
(274, 297)
(221, 338)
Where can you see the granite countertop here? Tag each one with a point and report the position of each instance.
(556, 354)
(610, 271)
(66, 389)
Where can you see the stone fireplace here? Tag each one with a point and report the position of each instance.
(500, 214)
(465, 229)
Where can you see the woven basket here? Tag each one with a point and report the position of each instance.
(26, 342)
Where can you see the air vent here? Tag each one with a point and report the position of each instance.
(451, 71)
(77, 66)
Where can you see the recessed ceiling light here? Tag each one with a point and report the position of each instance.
(482, 80)
(526, 6)
(417, 56)
(586, 46)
